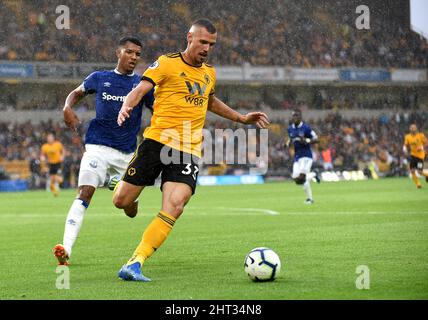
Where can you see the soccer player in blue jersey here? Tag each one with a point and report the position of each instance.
(301, 136)
(108, 146)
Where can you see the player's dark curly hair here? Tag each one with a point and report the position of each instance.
(134, 40)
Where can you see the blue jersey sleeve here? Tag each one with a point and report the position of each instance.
(308, 131)
(90, 84)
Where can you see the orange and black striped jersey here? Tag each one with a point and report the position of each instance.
(53, 151)
(181, 95)
(416, 143)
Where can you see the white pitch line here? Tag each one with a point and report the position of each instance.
(193, 211)
(199, 211)
(350, 213)
(267, 211)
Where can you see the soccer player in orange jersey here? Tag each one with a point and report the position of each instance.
(416, 142)
(52, 152)
(184, 90)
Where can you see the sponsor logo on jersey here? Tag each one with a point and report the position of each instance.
(196, 87)
(197, 92)
(109, 97)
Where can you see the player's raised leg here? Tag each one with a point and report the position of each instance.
(423, 173)
(175, 196)
(125, 197)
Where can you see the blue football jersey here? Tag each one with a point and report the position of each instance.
(111, 88)
(296, 133)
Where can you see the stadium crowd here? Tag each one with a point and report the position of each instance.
(272, 32)
(345, 144)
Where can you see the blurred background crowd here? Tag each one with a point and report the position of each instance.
(345, 144)
(269, 32)
(282, 33)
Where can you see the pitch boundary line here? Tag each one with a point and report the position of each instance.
(220, 211)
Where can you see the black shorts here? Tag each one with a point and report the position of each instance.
(54, 168)
(146, 165)
(416, 163)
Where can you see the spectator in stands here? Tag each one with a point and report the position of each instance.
(282, 33)
(365, 143)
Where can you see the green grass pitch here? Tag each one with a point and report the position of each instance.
(381, 224)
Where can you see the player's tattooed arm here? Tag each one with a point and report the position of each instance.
(218, 107)
(70, 117)
(132, 99)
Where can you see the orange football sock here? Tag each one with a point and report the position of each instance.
(415, 179)
(153, 237)
(53, 188)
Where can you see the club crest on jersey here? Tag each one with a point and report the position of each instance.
(154, 65)
(132, 171)
(207, 79)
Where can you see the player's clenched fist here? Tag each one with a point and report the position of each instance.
(124, 114)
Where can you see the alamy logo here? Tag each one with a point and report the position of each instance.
(363, 280)
(63, 278)
(109, 97)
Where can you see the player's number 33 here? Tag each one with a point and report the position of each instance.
(188, 170)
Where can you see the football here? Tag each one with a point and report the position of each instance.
(262, 264)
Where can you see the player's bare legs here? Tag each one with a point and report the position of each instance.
(175, 196)
(125, 196)
(55, 180)
(73, 223)
(415, 178)
(424, 174)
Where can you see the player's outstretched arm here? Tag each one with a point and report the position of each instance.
(132, 99)
(405, 149)
(216, 106)
(70, 117)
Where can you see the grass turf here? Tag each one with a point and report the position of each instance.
(381, 224)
